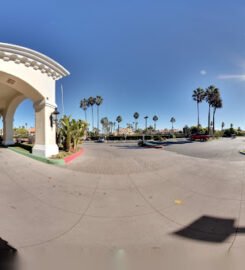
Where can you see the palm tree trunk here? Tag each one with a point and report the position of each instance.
(155, 125)
(118, 129)
(85, 112)
(214, 120)
(92, 118)
(209, 120)
(198, 121)
(98, 118)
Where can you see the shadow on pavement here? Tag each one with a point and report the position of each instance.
(210, 229)
(8, 256)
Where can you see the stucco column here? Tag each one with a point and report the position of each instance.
(45, 136)
(8, 133)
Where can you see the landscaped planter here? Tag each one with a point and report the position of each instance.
(61, 161)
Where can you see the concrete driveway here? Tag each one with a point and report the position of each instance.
(124, 207)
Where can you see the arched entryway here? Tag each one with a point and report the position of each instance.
(25, 73)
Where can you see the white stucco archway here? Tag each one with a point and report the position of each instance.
(25, 73)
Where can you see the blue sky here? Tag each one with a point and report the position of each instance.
(145, 56)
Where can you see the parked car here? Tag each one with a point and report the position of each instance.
(201, 137)
(101, 140)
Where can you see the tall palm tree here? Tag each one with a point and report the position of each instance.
(217, 104)
(155, 119)
(119, 120)
(222, 125)
(198, 96)
(146, 117)
(111, 126)
(211, 94)
(172, 120)
(136, 116)
(91, 102)
(98, 102)
(84, 106)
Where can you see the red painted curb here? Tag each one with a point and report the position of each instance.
(73, 156)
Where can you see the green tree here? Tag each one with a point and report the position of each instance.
(70, 131)
(84, 106)
(65, 130)
(198, 96)
(78, 129)
(91, 102)
(155, 119)
(105, 124)
(222, 125)
(119, 120)
(136, 117)
(146, 117)
(211, 94)
(172, 120)
(98, 102)
(217, 104)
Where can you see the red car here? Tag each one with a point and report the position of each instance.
(201, 137)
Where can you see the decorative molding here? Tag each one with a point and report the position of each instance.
(32, 59)
(43, 103)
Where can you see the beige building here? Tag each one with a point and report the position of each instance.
(27, 74)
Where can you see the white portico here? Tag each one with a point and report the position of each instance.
(25, 73)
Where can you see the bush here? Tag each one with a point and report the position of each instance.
(229, 131)
(218, 134)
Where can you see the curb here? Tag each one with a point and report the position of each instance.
(70, 158)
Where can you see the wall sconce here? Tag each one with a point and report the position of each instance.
(54, 117)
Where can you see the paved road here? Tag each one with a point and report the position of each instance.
(221, 149)
(123, 207)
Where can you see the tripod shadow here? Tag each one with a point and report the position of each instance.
(210, 229)
(8, 256)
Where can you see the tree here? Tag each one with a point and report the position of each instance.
(78, 129)
(222, 125)
(98, 102)
(146, 117)
(65, 130)
(136, 116)
(155, 119)
(211, 94)
(70, 132)
(198, 96)
(84, 106)
(119, 120)
(105, 124)
(217, 104)
(91, 102)
(172, 120)
(111, 126)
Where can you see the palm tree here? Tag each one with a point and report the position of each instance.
(172, 120)
(98, 102)
(211, 95)
(66, 131)
(84, 105)
(136, 116)
(217, 104)
(105, 124)
(222, 125)
(146, 117)
(155, 118)
(111, 126)
(119, 120)
(91, 102)
(198, 96)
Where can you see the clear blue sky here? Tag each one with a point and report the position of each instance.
(145, 56)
